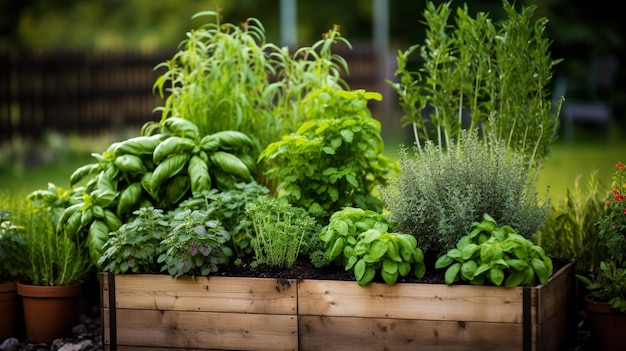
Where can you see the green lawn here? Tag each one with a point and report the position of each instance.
(570, 160)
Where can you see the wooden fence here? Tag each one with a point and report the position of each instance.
(91, 93)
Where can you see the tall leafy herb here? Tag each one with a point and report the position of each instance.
(477, 74)
(335, 159)
(227, 77)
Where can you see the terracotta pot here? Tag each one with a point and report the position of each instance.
(10, 315)
(608, 326)
(49, 311)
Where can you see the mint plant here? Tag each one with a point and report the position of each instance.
(335, 159)
(497, 255)
(135, 246)
(361, 240)
(194, 245)
(229, 207)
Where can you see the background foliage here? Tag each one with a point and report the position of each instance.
(581, 30)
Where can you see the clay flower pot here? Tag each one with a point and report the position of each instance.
(608, 325)
(10, 315)
(49, 311)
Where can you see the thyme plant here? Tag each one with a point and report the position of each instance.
(440, 193)
(480, 74)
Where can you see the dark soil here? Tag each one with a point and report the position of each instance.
(303, 269)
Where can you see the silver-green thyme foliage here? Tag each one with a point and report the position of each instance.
(440, 193)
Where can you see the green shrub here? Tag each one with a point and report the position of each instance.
(439, 194)
(335, 159)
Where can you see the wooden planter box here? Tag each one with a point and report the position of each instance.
(143, 312)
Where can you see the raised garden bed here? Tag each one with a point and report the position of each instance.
(146, 311)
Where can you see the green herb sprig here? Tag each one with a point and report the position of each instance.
(497, 255)
(361, 240)
(335, 159)
(281, 229)
(479, 74)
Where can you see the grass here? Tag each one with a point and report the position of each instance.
(29, 166)
(579, 159)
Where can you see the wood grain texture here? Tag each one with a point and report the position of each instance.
(225, 313)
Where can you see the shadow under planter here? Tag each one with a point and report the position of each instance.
(235, 313)
(608, 325)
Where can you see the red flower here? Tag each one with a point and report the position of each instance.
(620, 165)
(615, 192)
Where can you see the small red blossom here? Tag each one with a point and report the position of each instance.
(615, 192)
(620, 165)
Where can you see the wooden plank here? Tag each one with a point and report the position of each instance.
(402, 316)
(346, 333)
(556, 321)
(410, 301)
(227, 331)
(213, 294)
